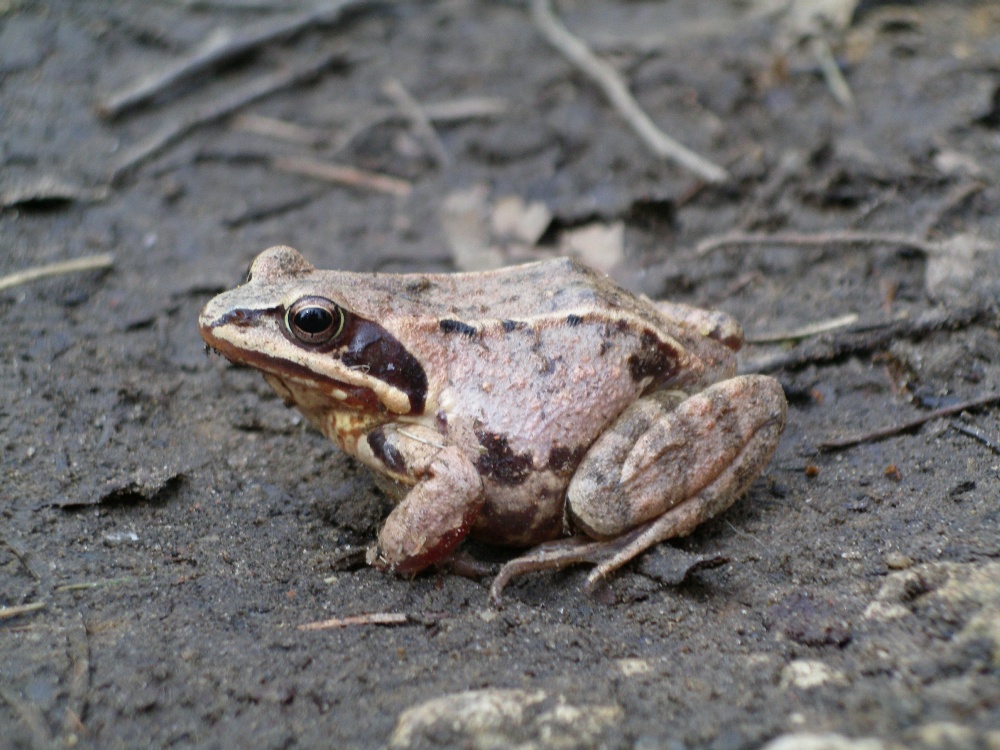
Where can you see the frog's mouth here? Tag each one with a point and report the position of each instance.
(289, 378)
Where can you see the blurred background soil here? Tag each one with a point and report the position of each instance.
(166, 525)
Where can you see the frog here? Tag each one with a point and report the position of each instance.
(540, 407)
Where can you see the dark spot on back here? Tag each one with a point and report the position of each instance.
(386, 452)
(457, 326)
(419, 286)
(563, 460)
(512, 325)
(573, 320)
(500, 462)
(654, 359)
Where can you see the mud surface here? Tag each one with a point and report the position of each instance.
(177, 524)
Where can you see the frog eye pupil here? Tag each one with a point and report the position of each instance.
(314, 320)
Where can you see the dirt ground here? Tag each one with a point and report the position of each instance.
(175, 524)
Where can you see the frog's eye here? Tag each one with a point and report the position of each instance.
(314, 320)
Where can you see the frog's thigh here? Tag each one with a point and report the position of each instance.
(435, 515)
(665, 450)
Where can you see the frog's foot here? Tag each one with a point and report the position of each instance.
(608, 555)
(611, 554)
(554, 555)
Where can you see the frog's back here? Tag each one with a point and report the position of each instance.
(560, 286)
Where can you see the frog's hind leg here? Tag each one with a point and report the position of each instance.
(666, 465)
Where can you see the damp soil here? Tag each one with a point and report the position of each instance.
(176, 524)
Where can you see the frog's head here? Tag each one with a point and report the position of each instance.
(295, 325)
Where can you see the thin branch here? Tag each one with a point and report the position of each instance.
(350, 176)
(419, 119)
(76, 265)
(78, 650)
(835, 81)
(281, 130)
(222, 47)
(374, 618)
(615, 89)
(977, 434)
(176, 131)
(819, 239)
(20, 609)
(100, 584)
(804, 332)
(892, 430)
(865, 339)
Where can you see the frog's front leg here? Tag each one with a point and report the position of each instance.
(668, 463)
(437, 512)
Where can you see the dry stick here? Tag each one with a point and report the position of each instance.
(419, 119)
(20, 609)
(859, 340)
(175, 131)
(976, 434)
(281, 130)
(835, 80)
(614, 88)
(951, 199)
(76, 265)
(805, 332)
(819, 239)
(342, 175)
(219, 49)
(890, 431)
(78, 649)
(447, 111)
(31, 715)
(375, 618)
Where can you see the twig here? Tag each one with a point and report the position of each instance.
(22, 558)
(805, 332)
(220, 48)
(819, 239)
(87, 585)
(281, 130)
(614, 88)
(954, 197)
(46, 188)
(32, 716)
(21, 609)
(175, 131)
(76, 265)
(374, 618)
(977, 434)
(419, 119)
(342, 175)
(892, 430)
(834, 78)
(453, 110)
(864, 339)
(78, 650)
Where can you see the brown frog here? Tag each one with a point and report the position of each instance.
(535, 406)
